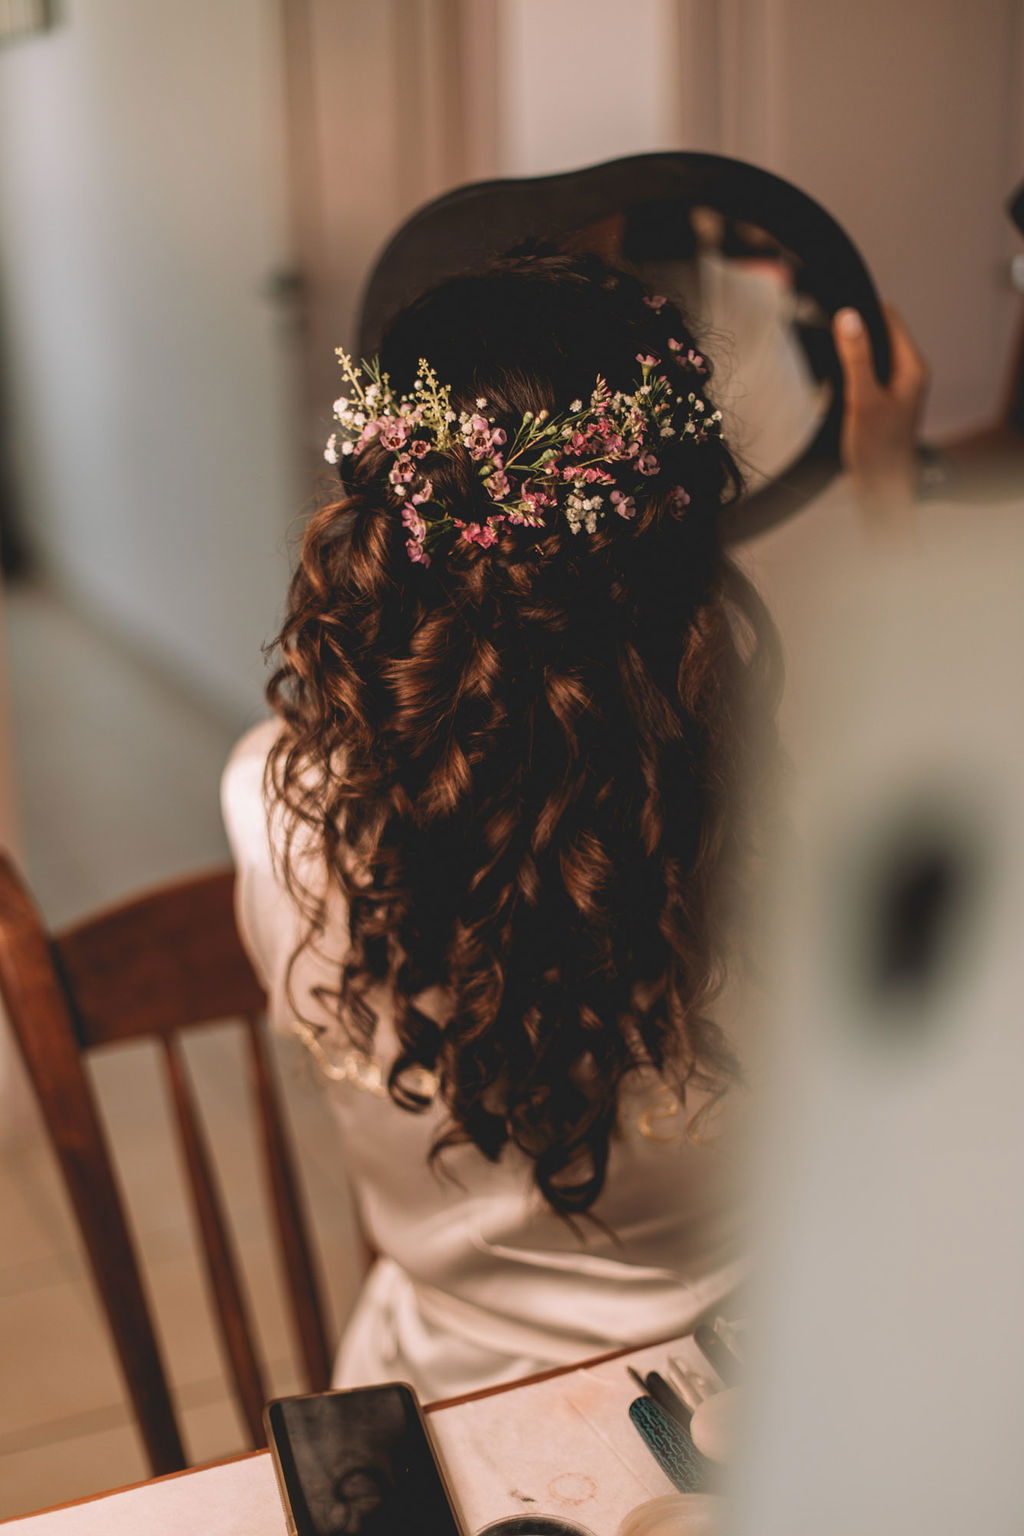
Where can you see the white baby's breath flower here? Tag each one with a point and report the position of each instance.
(331, 450)
(668, 431)
(576, 405)
(347, 448)
(340, 405)
(481, 403)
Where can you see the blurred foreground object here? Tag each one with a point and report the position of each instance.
(677, 1514)
(988, 464)
(886, 1351)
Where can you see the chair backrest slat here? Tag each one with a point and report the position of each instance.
(169, 959)
(39, 1017)
(218, 1250)
(303, 1284)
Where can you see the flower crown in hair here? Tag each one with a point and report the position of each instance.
(588, 462)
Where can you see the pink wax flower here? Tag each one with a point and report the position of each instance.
(524, 519)
(394, 432)
(624, 505)
(402, 470)
(655, 300)
(419, 447)
(480, 439)
(416, 552)
(647, 464)
(679, 499)
(414, 522)
(586, 476)
(537, 499)
(498, 485)
(647, 359)
(477, 533)
(612, 442)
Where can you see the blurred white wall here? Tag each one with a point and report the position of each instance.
(390, 104)
(584, 82)
(141, 216)
(905, 119)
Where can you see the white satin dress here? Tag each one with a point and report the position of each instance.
(478, 1281)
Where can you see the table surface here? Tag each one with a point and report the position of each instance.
(557, 1444)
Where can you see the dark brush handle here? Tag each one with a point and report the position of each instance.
(669, 1444)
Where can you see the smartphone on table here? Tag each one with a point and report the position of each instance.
(359, 1461)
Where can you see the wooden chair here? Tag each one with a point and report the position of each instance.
(151, 968)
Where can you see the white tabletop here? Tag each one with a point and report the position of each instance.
(564, 1446)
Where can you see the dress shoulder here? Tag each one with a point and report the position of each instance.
(271, 924)
(243, 799)
(265, 913)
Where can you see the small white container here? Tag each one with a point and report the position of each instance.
(677, 1514)
(534, 1525)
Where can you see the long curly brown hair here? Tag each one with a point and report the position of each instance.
(520, 765)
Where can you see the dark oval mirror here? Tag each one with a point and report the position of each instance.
(758, 266)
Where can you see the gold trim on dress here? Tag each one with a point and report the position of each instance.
(355, 1066)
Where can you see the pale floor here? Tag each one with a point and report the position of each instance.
(117, 776)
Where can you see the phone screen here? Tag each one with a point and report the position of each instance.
(359, 1461)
